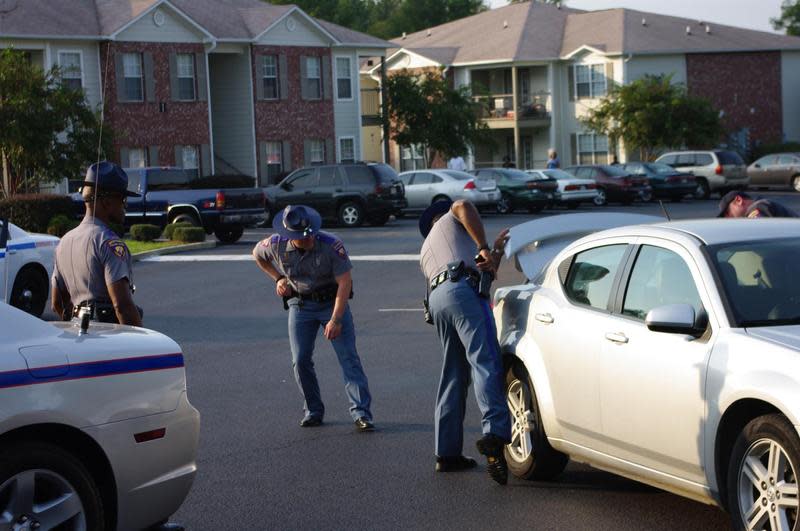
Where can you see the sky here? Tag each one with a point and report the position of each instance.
(752, 14)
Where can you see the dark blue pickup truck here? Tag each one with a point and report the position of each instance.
(171, 195)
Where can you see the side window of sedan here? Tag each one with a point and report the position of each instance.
(659, 277)
(423, 178)
(591, 275)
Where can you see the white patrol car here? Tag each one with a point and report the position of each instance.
(26, 263)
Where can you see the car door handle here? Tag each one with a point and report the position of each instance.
(545, 318)
(617, 337)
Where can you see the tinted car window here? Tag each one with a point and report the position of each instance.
(729, 157)
(383, 172)
(688, 159)
(406, 178)
(668, 159)
(328, 176)
(591, 275)
(769, 160)
(304, 179)
(458, 175)
(787, 160)
(657, 167)
(516, 175)
(558, 174)
(134, 180)
(170, 179)
(424, 178)
(659, 277)
(360, 175)
(704, 159)
(583, 173)
(614, 171)
(635, 168)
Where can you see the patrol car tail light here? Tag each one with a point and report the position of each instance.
(718, 170)
(220, 201)
(470, 185)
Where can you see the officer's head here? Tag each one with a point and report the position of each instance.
(105, 191)
(734, 204)
(432, 215)
(299, 223)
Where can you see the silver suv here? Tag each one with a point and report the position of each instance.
(715, 171)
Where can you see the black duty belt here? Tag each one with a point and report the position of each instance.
(472, 276)
(321, 295)
(102, 311)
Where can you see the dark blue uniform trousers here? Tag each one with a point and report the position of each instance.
(305, 320)
(466, 329)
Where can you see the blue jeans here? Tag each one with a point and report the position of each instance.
(466, 329)
(305, 320)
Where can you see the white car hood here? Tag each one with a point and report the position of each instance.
(787, 336)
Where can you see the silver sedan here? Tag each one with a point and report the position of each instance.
(424, 187)
(572, 191)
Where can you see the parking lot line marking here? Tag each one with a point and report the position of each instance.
(249, 257)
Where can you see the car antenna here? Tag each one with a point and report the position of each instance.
(664, 210)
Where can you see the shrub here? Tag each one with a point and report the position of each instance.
(60, 225)
(33, 212)
(189, 234)
(145, 233)
(169, 230)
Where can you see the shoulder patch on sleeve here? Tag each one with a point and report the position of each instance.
(270, 241)
(118, 247)
(338, 248)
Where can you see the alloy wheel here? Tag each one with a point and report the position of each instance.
(350, 215)
(796, 183)
(768, 492)
(40, 499)
(600, 198)
(521, 446)
(504, 205)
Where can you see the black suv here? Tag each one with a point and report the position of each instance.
(347, 193)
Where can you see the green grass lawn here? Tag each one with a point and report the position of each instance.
(138, 247)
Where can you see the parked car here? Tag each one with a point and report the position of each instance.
(423, 187)
(349, 194)
(666, 181)
(613, 183)
(26, 263)
(172, 195)
(571, 190)
(778, 169)
(96, 430)
(717, 171)
(519, 189)
(662, 383)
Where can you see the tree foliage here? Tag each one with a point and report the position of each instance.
(789, 19)
(425, 110)
(652, 113)
(388, 18)
(48, 131)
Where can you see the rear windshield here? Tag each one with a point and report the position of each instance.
(171, 179)
(360, 175)
(729, 157)
(384, 173)
(614, 171)
(558, 174)
(459, 175)
(517, 174)
(657, 167)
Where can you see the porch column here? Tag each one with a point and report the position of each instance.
(551, 72)
(385, 112)
(515, 104)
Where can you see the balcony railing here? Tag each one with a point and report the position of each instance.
(501, 107)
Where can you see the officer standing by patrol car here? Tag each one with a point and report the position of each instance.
(456, 260)
(93, 267)
(311, 271)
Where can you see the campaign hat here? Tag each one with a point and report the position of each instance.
(108, 177)
(728, 198)
(431, 213)
(297, 222)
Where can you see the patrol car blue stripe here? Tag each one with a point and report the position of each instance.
(90, 370)
(19, 247)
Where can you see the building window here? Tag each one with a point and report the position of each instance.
(344, 85)
(189, 158)
(317, 151)
(411, 158)
(133, 78)
(137, 158)
(185, 76)
(71, 69)
(590, 81)
(347, 149)
(274, 162)
(313, 78)
(592, 149)
(270, 68)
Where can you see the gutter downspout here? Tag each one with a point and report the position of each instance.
(208, 101)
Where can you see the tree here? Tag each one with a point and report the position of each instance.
(425, 110)
(789, 19)
(48, 130)
(652, 113)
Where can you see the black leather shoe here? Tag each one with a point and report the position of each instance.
(454, 464)
(492, 447)
(311, 422)
(363, 424)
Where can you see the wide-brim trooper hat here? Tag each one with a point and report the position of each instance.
(426, 219)
(108, 177)
(297, 222)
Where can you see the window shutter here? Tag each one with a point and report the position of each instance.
(149, 78)
(327, 82)
(179, 156)
(152, 155)
(173, 77)
(124, 157)
(571, 81)
(330, 154)
(306, 152)
(609, 75)
(283, 76)
(259, 77)
(120, 75)
(286, 156)
(200, 68)
(303, 77)
(205, 160)
(262, 162)
(573, 143)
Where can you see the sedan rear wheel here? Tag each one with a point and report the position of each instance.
(702, 191)
(762, 476)
(504, 205)
(796, 183)
(600, 198)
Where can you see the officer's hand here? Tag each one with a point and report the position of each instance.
(333, 329)
(487, 264)
(282, 288)
(500, 241)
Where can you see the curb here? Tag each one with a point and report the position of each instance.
(174, 249)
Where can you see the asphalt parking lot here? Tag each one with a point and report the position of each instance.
(259, 470)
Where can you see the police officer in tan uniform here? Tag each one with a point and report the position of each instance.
(93, 268)
(311, 271)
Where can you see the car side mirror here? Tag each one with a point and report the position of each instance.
(677, 319)
(3, 233)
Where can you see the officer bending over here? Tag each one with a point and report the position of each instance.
(465, 326)
(311, 271)
(742, 205)
(93, 268)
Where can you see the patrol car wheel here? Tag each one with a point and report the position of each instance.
(529, 455)
(228, 233)
(29, 293)
(41, 486)
(351, 214)
(796, 183)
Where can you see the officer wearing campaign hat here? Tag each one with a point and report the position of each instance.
(737, 204)
(311, 271)
(93, 267)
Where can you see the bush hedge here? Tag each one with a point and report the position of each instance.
(189, 234)
(170, 229)
(33, 212)
(60, 225)
(145, 233)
